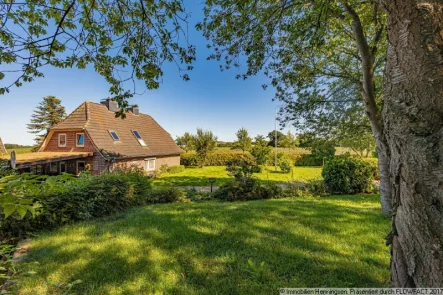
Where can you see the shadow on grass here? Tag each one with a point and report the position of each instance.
(195, 248)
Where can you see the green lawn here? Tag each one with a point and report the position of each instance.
(21, 150)
(199, 176)
(204, 248)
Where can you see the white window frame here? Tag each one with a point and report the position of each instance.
(78, 172)
(140, 140)
(76, 139)
(66, 139)
(110, 133)
(66, 167)
(50, 167)
(147, 160)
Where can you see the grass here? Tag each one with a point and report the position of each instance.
(21, 150)
(204, 248)
(199, 176)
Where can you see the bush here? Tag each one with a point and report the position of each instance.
(250, 189)
(373, 163)
(176, 169)
(345, 175)
(285, 165)
(242, 168)
(316, 187)
(166, 195)
(5, 169)
(198, 196)
(80, 199)
(322, 151)
(213, 159)
(307, 160)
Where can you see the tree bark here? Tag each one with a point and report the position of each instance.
(413, 125)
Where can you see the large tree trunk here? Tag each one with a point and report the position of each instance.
(413, 125)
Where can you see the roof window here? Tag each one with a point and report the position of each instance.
(114, 135)
(139, 138)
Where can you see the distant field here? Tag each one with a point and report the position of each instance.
(20, 150)
(200, 176)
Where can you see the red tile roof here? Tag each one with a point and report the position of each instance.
(97, 120)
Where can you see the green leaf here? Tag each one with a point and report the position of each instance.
(8, 209)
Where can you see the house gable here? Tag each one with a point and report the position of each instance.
(3, 150)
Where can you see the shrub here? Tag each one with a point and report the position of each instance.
(58, 202)
(250, 189)
(213, 159)
(307, 160)
(176, 169)
(5, 169)
(242, 168)
(316, 187)
(345, 175)
(322, 151)
(166, 195)
(198, 196)
(373, 163)
(285, 165)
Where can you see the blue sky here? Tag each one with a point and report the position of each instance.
(212, 99)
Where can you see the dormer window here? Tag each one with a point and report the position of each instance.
(80, 140)
(139, 138)
(114, 135)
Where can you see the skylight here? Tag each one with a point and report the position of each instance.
(139, 138)
(114, 135)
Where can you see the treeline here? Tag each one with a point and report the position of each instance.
(9, 146)
(201, 148)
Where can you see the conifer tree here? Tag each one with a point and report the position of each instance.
(48, 113)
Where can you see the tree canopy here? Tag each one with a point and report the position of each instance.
(244, 141)
(123, 40)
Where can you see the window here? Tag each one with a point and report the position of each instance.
(62, 140)
(114, 135)
(62, 167)
(53, 166)
(150, 164)
(81, 166)
(80, 141)
(139, 138)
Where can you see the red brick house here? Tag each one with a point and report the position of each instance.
(3, 150)
(92, 138)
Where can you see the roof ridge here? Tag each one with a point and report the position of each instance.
(87, 113)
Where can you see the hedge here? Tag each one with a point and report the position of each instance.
(86, 198)
(213, 159)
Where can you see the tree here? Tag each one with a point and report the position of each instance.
(48, 113)
(271, 136)
(412, 116)
(261, 150)
(320, 56)
(204, 142)
(289, 141)
(291, 35)
(111, 36)
(186, 141)
(244, 141)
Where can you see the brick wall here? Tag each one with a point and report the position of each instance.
(52, 145)
(98, 163)
(140, 162)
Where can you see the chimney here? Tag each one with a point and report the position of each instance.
(111, 104)
(135, 109)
